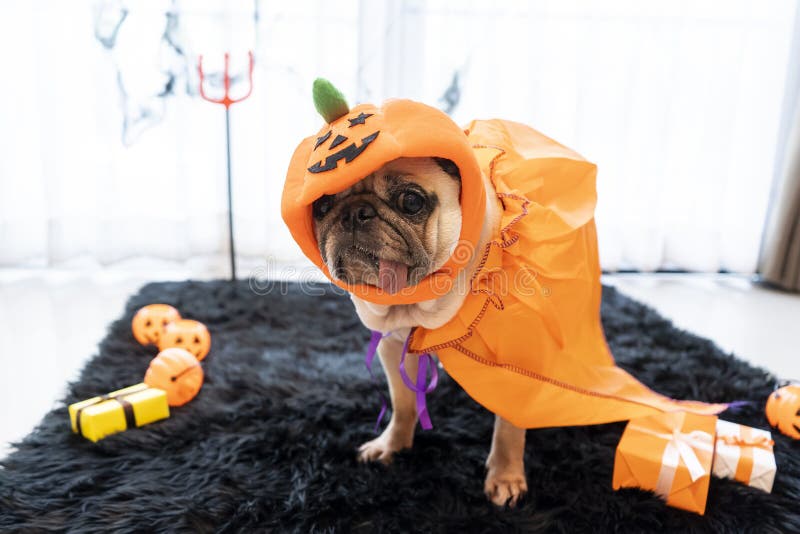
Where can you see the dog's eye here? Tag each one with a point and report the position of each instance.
(322, 206)
(411, 203)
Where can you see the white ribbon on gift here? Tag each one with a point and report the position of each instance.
(680, 447)
(729, 450)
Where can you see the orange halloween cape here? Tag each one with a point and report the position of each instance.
(527, 343)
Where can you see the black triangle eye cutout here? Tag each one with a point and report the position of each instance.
(322, 139)
(338, 140)
(361, 119)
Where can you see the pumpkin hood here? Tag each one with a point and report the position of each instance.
(359, 143)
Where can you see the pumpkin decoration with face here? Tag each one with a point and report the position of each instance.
(187, 334)
(178, 373)
(150, 321)
(356, 142)
(783, 410)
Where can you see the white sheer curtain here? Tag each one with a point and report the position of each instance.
(70, 187)
(677, 102)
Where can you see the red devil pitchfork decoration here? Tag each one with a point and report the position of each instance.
(227, 101)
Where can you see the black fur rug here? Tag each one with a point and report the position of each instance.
(269, 443)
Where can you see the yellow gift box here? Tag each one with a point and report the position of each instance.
(670, 454)
(745, 454)
(120, 410)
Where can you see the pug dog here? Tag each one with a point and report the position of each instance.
(390, 230)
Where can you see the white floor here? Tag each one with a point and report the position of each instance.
(757, 324)
(51, 322)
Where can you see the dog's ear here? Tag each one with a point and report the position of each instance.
(449, 167)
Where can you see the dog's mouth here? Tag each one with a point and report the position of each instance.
(392, 276)
(368, 267)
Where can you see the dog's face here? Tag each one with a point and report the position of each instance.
(394, 227)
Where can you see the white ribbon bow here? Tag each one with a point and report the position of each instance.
(680, 447)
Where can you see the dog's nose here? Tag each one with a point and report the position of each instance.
(357, 214)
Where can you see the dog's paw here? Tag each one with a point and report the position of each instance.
(381, 449)
(505, 485)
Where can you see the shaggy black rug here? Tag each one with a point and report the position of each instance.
(269, 443)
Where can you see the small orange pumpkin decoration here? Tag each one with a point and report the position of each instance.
(783, 410)
(150, 321)
(178, 373)
(187, 334)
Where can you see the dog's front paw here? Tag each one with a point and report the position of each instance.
(505, 483)
(382, 448)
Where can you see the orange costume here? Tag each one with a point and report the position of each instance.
(527, 343)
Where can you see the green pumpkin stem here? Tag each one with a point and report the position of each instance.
(329, 101)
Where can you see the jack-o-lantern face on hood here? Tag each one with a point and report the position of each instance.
(356, 143)
(335, 152)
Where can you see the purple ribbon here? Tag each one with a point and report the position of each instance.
(368, 359)
(425, 361)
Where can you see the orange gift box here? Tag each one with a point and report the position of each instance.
(745, 454)
(670, 454)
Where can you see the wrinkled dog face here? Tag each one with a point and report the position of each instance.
(394, 227)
